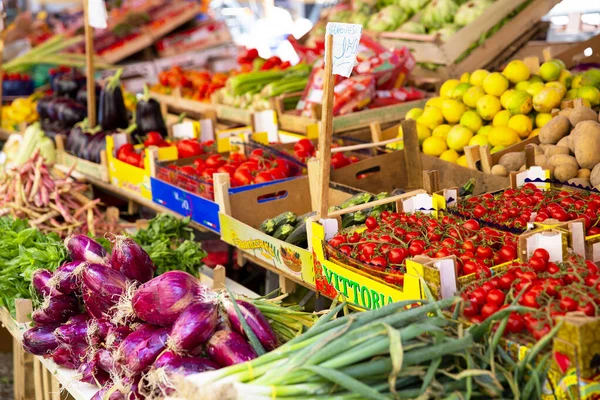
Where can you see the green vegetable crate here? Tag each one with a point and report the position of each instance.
(503, 24)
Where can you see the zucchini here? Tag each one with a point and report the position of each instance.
(283, 231)
(270, 225)
(359, 198)
(302, 218)
(298, 237)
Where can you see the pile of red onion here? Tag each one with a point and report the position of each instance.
(128, 331)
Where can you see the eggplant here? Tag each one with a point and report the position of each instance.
(71, 112)
(112, 113)
(148, 117)
(95, 145)
(81, 96)
(68, 85)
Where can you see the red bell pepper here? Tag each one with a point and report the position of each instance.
(189, 148)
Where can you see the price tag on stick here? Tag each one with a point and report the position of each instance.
(346, 38)
(97, 15)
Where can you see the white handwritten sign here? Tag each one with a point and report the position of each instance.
(346, 38)
(97, 14)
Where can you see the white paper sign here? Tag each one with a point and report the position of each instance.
(207, 131)
(330, 225)
(550, 241)
(447, 277)
(266, 121)
(346, 39)
(184, 130)
(97, 14)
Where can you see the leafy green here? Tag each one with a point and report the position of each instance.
(23, 250)
(169, 242)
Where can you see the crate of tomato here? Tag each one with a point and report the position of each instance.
(187, 186)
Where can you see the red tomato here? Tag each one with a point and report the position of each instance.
(338, 160)
(304, 145)
(484, 253)
(505, 282)
(263, 177)
(478, 296)
(236, 158)
(516, 323)
(243, 176)
(215, 161)
(378, 261)
(227, 169)
(542, 253)
(416, 248)
(568, 304)
(552, 268)
(277, 173)
(470, 267)
(371, 223)
(488, 310)
(495, 297)
(397, 255)
(471, 225)
(529, 299)
(538, 264)
(470, 309)
(199, 164)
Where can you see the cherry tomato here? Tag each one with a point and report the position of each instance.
(397, 255)
(470, 309)
(516, 323)
(263, 177)
(488, 310)
(529, 299)
(243, 176)
(484, 253)
(471, 225)
(568, 304)
(495, 297)
(371, 223)
(538, 264)
(543, 254)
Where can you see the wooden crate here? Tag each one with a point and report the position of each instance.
(429, 49)
(88, 168)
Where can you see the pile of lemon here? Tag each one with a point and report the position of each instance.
(495, 109)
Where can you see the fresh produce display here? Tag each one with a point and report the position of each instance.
(548, 289)
(195, 85)
(391, 237)
(110, 317)
(568, 145)
(148, 117)
(495, 109)
(514, 208)
(16, 84)
(34, 140)
(21, 110)
(391, 352)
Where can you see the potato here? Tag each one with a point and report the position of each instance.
(523, 168)
(550, 168)
(554, 149)
(587, 144)
(583, 173)
(582, 113)
(545, 146)
(559, 159)
(564, 172)
(556, 129)
(512, 161)
(565, 142)
(541, 160)
(499, 170)
(583, 126)
(595, 176)
(566, 112)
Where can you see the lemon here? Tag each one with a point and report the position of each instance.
(590, 94)
(458, 92)
(496, 149)
(470, 119)
(465, 77)
(459, 137)
(533, 133)
(559, 86)
(448, 86)
(485, 130)
(488, 106)
(495, 84)
(534, 88)
(501, 118)
(434, 102)
(502, 136)
(565, 78)
(471, 96)
(431, 117)
(479, 140)
(535, 78)
(505, 97)
(462, 161)
(542, 119)
(449, 155)
(478, 76)
(434, 146)
(519, 102)
(423, 133)
(521, 124)
(576, 81)
(547, 99)
(516, 71)
(452, 110)
(396, 146)
(414, 113)
(571, 94)
(522, 85)
(441, 131)
(550, 70)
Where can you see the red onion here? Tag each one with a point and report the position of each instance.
(40, 281)
(72, 333)
(40, 340)
(116, 335)
(83, 248)
(174, 363)
(129, 258)
(140, 348)
(102, 289)
(106, 361)
(194, 326)
(65, 277)
(69, 356)
(228, 347)
(75, 319)
(91, 373)
(56, 309)
(160, 300)
(128, 389)
(255, 319)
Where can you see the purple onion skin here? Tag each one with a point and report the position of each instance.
(40, 340)
(82, 248)
(141, 347)
(40, 279)
(102, 289)
(69, 356)
(228, 348)
(75, 319)
(116, 335)
(131, 389)
(106, 361)
(129, 258)
(60, 308)
(66, 280)
(195, 326)
(161, 300)
(72, 333)
(257, 322)
(92, 374)
(173, 363)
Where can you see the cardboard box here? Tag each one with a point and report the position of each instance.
(88, 168)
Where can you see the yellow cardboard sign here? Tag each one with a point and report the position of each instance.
(225, 137)
(281, 255)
